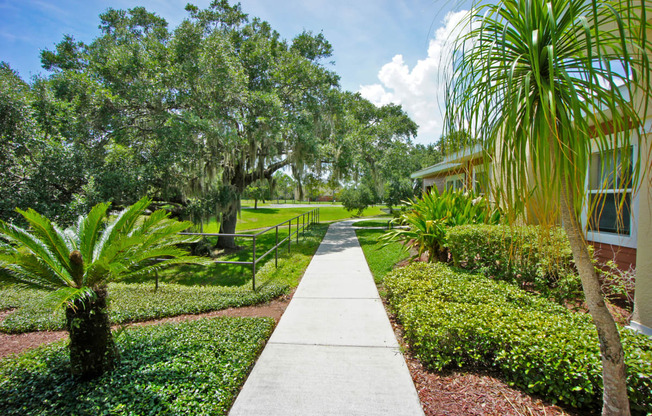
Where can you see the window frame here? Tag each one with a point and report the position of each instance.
(606, 237)
(453, 179)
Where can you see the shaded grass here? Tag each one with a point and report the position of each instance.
(381, 260)
(238, 275)
(192, 367)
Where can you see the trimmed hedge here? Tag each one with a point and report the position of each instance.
(192, 368)
(456, 319)
(542, 261)
(133, 302)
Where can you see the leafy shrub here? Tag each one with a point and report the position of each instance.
(454, 319)
(542, 261)
(138, 302)
(192, 367)
(357, 199)
(430, 217)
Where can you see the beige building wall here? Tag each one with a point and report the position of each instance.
(643, 294)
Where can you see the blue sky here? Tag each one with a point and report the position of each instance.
(389, 50)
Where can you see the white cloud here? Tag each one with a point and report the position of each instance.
(420, 89)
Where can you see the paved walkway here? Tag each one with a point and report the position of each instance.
(334, 351)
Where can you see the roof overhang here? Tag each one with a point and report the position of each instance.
(438, 168)
(450, 162)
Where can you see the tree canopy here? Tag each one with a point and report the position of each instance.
(189, 116)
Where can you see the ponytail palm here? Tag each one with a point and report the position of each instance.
(76, 264)
(542, 84)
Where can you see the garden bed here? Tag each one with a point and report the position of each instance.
(194, 367)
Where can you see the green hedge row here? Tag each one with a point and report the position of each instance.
(194, 368)
(132, 302)
(524, 255)
(453, 319)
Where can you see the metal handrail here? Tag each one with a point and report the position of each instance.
(313, 218)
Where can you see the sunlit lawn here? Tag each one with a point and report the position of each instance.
(381, 258)
(251, 219)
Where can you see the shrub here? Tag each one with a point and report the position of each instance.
(430, 217)
(192, 367)
(357, 199)
(542, 261)
(138, 302)
(455, 319)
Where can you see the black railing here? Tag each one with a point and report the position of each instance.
(303, 221)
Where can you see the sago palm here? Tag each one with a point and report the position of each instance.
(542, 84)
(76, 264)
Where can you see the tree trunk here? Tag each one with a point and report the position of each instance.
(92, 349)
(227, 226)
(614, 397)
(255, 204)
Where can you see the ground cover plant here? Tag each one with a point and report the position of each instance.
(134, 302)
(457, 319)
(195, 367)
(381, 257)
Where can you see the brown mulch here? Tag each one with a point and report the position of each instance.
(17, 343)
(473, 393)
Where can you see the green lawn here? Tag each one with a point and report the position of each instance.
(381, 260)
(194, 368)
(384, 222)
(251, 219)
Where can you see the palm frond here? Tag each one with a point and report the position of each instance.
(49, 234)
(119, 225)
(88, 230)
(24, 241)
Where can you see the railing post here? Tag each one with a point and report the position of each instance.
(289, 234)
(297, 230)
(276, 247)
(156, 274)
(253, 267)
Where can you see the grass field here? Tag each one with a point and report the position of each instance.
(381, 259)
(380, 222)
(252, 219)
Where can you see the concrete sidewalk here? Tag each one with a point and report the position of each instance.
(334, 351)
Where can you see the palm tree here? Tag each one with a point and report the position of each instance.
(76, 264)
(541, 84)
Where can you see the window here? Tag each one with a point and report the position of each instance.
(456, 182)
(480, 180)
(610, 192)
(611, 210)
